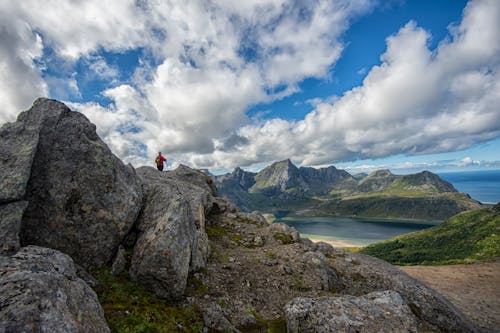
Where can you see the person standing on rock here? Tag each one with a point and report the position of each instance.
(159, 161)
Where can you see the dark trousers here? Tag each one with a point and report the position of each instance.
(160, 167)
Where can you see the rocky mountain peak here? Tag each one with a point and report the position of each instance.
(430, 179)
(381, 173)
(278, 177)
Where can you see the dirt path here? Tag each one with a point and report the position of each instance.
(474, 289)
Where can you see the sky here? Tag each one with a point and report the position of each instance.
(360, 84)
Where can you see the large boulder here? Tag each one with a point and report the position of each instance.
(10, 226)
(362, 274)
(383, 311)
(18, 145)
(172, 239)
(42, 293)
(82, 200)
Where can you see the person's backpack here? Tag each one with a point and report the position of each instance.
(158, 160)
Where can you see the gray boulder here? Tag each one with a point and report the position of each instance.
(82, 200)
(362, 274)
(282, 228)
(383, 311)
(10, 226)
(316, 266)
(172, 239)
(120, 262)
(18, 145)
(215, 320)
(254, 217)
(42, 293)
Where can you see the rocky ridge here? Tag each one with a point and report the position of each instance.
(68, 207)
(330, 191)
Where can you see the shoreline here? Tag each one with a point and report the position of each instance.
(331, 241)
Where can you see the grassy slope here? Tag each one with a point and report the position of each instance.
(466, 237)
(128, 307)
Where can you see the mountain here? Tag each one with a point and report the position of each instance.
(278, 178)
(235, 185)
(466, 237)
(282, 186)
(424, 182)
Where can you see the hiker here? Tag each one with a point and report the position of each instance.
(159, 161)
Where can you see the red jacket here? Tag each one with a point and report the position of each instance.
(160, 159)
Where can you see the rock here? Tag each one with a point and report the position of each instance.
(10, 226)
(383, 311)
(259, 241)
(287, 269)
(172, 238)
(195, 177)
(269, 262)
(324, 248)
(42, 293)
(86, 276)
(162, 252)
(18, 145)
(306, 241)
(254, 217)
(283, 229)
(119, 262)
(200, 252)
(362, 273)
(222, 205)
(81, 199)
(317, 267)
(214, 319)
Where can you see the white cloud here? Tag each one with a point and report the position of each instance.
(215, 60)
(417, 101)
(205, 63)
(20, 81)
(101, 69)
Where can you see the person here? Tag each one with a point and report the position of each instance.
(159, 161)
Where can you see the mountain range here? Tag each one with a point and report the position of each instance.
(283, 187)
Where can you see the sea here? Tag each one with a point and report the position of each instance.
(483, 186)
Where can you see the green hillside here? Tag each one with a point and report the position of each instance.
(465, 237)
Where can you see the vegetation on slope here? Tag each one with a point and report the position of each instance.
(128, 307)
(466, 237)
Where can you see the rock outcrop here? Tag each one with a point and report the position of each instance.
(42, 293)
(172, 238)
(10, 226)
(81, 199)
(382, 311)
(362, 274)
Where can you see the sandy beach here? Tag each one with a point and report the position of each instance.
(331, 241)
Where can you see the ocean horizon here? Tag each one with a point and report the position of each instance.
(484, 185)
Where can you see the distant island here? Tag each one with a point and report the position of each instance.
(283, 188)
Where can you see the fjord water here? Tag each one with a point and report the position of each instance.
(483, 186)
(353, 231)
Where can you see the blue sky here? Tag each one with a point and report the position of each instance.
(361, 84)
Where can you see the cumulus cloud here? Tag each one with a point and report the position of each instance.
(417, 101)
(20, 80)
(204, 63)
(464, 164)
